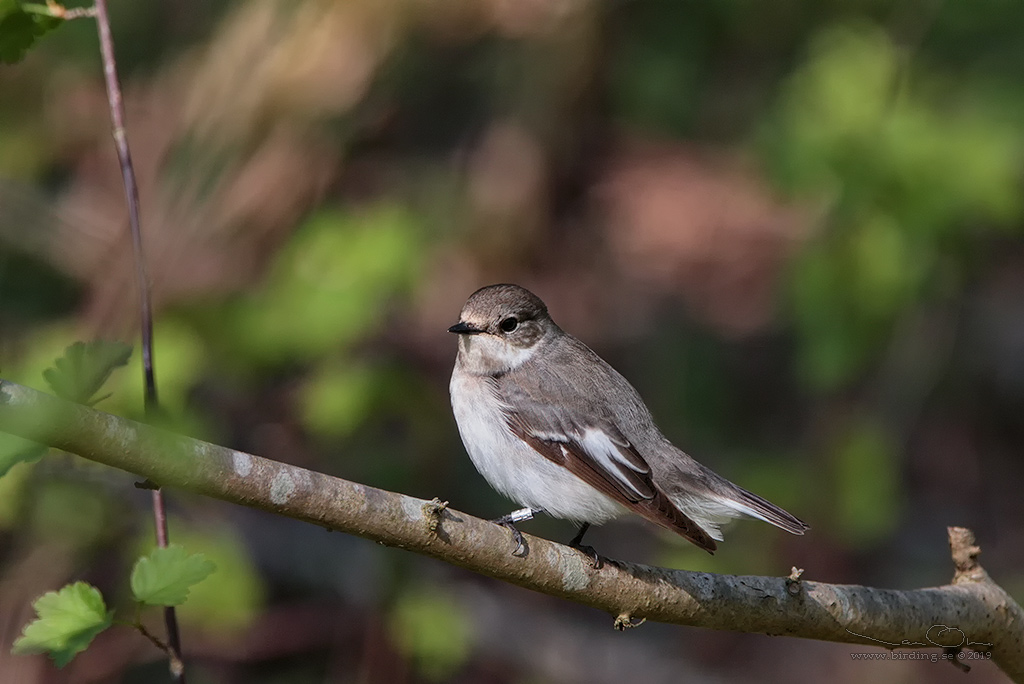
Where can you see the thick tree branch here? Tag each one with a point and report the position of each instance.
(970, 613)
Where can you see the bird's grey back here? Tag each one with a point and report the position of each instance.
(572, 376)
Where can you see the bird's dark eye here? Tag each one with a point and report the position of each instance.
(509, 324)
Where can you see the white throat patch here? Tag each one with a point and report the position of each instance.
(486, 354)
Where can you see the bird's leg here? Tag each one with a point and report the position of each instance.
(577, 543)
(510, 521)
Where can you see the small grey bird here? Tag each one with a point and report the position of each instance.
(553, 427)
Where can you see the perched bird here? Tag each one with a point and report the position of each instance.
(553, 427)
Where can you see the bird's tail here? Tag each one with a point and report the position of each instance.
(716, 500)
(755, 506)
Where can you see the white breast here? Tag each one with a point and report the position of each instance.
(514, 468)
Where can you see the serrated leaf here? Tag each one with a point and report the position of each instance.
(83, 369)
(68, 621)
(164, 577)
(19, 30)
(15, 450)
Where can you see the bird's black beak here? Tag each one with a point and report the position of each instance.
(464, 329)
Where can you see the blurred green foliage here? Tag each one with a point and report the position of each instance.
(180, 363)
(431, 631)
(15, 450)
(661, 63)
(12, 488)
(867, 478)
(338, 397)
(328, 288)
(71, 512)
(80, 373)
(77, 375)
(906, 177)
(21, 25)
(45, 343)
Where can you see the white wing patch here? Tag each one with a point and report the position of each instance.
(611, 456)
(608, 454)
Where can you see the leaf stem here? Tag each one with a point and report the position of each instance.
(177, 666)
(55, 9)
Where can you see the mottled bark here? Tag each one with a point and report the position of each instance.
(971, 614)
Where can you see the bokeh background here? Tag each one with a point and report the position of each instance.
(795, 226)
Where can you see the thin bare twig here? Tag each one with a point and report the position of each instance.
(131, 191)
(177, 666)
(78, 13)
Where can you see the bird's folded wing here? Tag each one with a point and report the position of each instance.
(603, 458)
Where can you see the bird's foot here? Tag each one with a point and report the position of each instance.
(509, 521)
(591, 553)
(587, 550)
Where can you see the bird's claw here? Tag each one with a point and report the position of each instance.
(591, 553)
(508, 523)
(517, 536)
(577, 543)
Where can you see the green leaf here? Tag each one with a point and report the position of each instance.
(230, 600)
(83, 369)
(15, 450)
(164, 577)
(68, 620)
(19, 30)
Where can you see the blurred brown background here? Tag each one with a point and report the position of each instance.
(794, 226)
